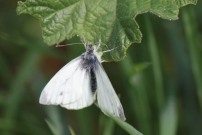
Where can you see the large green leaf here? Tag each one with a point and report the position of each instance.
(112, 21)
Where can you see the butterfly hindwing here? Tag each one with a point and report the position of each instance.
(87, 98)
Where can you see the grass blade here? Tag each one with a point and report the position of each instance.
(127, 127)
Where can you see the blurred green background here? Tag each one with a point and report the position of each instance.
(159, 82)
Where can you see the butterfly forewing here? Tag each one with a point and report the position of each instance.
(66, 86)
(107, 99)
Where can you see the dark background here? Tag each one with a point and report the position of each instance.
(159, 82)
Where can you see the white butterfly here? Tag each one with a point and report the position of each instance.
(82, 82)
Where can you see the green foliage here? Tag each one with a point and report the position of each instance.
(111, 21)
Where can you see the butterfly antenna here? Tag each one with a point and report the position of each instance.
(83, 40)
(99, 44)
(58, 45)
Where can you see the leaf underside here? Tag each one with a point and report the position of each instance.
(112, 21)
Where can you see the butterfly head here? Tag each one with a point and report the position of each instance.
(89, 48)
(92, 51)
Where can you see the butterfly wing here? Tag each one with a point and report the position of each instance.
(66, 86)
(107, 99)
(87, 97)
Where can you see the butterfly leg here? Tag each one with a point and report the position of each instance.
(109, 50)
